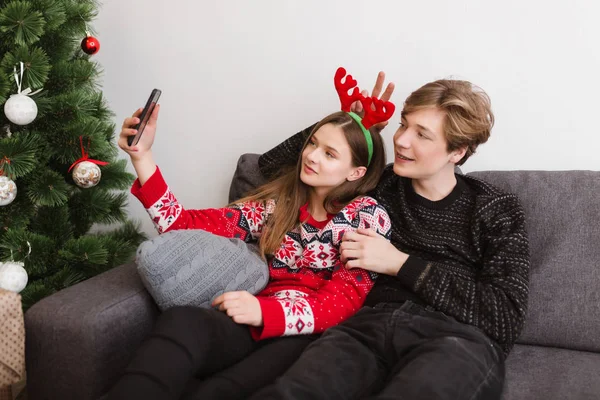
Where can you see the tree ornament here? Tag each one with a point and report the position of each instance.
(20, 109)
(86, 173)
(90, 45)
(8, 190)
(13, 276)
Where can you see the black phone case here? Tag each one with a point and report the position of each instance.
(144, 117)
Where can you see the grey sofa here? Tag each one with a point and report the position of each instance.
(79, 339)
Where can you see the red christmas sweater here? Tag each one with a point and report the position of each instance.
(309, 290)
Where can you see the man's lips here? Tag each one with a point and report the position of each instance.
(403, 158)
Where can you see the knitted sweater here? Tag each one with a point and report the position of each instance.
(309, 290)
(468, 253)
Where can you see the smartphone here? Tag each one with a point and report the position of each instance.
(144, 117)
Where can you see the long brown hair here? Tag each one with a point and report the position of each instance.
(291, 193)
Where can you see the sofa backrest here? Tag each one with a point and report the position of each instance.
(246, 176)
(562, 210)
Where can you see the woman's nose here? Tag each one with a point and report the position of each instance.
(312, 156)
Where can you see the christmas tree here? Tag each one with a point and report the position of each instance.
(59, 225)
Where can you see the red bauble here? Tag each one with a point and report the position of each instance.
(90, 45)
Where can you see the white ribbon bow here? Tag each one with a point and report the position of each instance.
(19, 80)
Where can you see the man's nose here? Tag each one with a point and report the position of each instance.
(403, 139)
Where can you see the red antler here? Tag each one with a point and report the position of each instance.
(383, 110)
(343, 87)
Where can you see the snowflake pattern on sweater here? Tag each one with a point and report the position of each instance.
(309, 289)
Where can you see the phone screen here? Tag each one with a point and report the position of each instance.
(145, 117)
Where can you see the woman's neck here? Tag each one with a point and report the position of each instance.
(436, 187)
(315, 205)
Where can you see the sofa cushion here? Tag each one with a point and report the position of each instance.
(534, 372)
(562, 210)
(191, 267)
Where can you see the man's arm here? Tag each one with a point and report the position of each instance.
(284, 154)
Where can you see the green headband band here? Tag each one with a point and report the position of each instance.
(366, 132)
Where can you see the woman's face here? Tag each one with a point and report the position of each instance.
(327, 160)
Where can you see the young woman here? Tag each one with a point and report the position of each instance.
(299, 220)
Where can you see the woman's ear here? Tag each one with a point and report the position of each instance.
(356, 173)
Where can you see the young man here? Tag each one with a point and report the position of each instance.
(452, 292)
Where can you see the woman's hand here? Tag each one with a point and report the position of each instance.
(368, 250)
(144, 146)
(241, 306)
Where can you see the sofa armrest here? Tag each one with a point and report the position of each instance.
(80, 339)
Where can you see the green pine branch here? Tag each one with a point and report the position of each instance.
(89, 206)
(67, 76)
(35, 63)
(115, 177)
(38, 252)
(122, 243)
(48, 188)
(65, 145)
(19, 155)
(53, 12)
(20, 24)
(19, 213)
(53, 222)
(4, 88)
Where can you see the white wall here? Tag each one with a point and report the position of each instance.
(240, 76)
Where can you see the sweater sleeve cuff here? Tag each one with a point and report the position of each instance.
(273, 320)
(411, 271)
(154, 188)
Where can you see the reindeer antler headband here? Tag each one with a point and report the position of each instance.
(375, 109)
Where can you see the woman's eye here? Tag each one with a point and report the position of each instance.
(329, 155)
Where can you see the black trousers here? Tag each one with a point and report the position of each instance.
(395, 351)
(196, 353)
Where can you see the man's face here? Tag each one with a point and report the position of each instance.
(420, 147)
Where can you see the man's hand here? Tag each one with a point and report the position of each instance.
(242, 307)
(368, 250)
(387, 94)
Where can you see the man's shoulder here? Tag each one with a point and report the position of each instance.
(490, 199)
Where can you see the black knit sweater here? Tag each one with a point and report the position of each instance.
(468, 253)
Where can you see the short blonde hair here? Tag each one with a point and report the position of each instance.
(469, 118)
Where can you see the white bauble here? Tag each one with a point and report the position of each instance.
(13, 276)
(20, 109)
(8, 190)
(86, 174)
